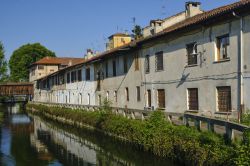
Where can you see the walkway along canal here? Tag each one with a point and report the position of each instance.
(29, 140)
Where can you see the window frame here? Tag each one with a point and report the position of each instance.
(223, 89)
(127, 93)
(147, 64)
(161, 105)
(136, 58)
(219, 46)
(114, 68)
(190, 57)
(138, 93)
(87, 74)
(191, 100)
(157, 65)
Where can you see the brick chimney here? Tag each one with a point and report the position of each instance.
(192, 8)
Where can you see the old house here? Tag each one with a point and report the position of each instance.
(194, 61)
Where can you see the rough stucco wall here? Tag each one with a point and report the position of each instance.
(246, 74)
(206, 76)
(131, 79)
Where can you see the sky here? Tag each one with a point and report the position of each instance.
(69, 27)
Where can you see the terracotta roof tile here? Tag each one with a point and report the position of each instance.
(58, 61)
(196, 20)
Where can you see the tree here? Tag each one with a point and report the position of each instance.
(23, 57)
(137, 32)
(3, 65)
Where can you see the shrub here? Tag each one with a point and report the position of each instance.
(186, 145)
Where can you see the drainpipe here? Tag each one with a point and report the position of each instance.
(242, 65)
(240, 86)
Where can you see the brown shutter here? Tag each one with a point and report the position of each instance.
(224, 99)
(193, 100)
(161, 98)
(149, 98)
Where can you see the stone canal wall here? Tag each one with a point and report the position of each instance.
(185, 145)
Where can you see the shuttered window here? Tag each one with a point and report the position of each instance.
(159, 61)
(127, 93)
(193, 100)
(224, 98)
(161, 98)
(147, 66)
(138, 93)
(149, 97)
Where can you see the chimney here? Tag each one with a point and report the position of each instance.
(70, 63)
(192, 8)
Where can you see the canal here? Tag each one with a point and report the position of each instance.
(28, 140)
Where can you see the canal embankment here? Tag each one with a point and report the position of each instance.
(185, 145)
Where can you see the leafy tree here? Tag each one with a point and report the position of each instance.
(137, 32)
(3, 64)
(23, 57)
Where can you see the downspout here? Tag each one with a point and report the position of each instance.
(240, 68)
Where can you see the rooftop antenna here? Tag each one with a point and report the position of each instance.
(133, 20)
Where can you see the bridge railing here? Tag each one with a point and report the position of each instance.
(173, 117)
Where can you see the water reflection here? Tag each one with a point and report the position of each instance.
(28, 141)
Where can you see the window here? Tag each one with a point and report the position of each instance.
(68, 77)
(224, 98)
(51, 70)
(88, 99)
(149, 98)
(114, 68)
(222, 47)
(127, 93)
(40, 67)
(125, 64)
(107, 95)
(192, 54)
(115, 96)
(79, 75)
(87, 73)
(138, 93)
(193, 100)
(161, 98)
(136, 62)
(100, 100)
(147, 66)
(73, 76)
(107, 70)
(159, 61)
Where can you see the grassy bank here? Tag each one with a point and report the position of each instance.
(156, 135)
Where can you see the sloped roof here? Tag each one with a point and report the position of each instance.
(58, 61)
(203, 18)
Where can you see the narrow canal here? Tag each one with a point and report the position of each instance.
(28, 140)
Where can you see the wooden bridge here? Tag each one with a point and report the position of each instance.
(22, 91)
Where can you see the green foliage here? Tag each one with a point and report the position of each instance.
(23, 57)
(246, 118)
(3, 65)
(137, 32)
(242, 155)
(186, 145)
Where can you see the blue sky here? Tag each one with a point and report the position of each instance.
(69, 27)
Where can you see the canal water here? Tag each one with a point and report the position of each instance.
(27, 140)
